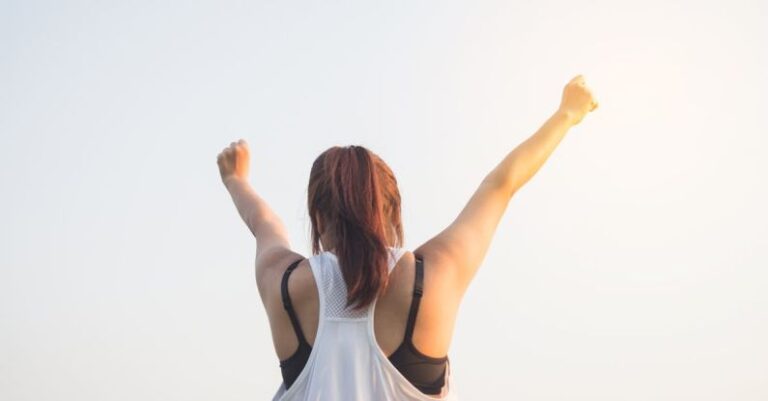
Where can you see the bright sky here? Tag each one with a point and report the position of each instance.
(631, 267)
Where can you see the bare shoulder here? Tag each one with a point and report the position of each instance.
(439, 301)
(270, 267)
(303, 295)
(440, 278)
(437, 260)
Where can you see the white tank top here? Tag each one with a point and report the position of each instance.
(346, 362)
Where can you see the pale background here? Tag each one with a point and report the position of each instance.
(632, 267)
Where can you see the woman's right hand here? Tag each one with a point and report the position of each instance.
(577, 100)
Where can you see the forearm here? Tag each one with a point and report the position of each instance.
(251, 207)
(525, 160)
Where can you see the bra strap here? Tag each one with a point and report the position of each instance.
(288, 305)
(418, 290)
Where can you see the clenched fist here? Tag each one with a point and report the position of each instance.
(577, 100)
(234, 161)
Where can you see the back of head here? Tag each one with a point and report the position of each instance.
(354, 195)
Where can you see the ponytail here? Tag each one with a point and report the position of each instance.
(355, 194)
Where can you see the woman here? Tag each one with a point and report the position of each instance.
(363, 318)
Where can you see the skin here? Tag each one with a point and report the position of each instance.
(451, 258)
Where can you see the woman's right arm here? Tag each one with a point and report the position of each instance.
(527, 158)
(461, 247)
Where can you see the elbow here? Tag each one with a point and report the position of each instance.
(505, 183)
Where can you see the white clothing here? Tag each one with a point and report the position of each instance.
(346, 362)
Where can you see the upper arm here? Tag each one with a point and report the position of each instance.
(461, 247)
(270, 233)
(273, 249)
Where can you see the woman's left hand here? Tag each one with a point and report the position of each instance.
(234, 161)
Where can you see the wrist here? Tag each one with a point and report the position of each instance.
(233, 180)
(565, 116)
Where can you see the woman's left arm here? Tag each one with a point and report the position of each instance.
(263, 223)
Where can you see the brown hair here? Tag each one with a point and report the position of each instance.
(355, 195)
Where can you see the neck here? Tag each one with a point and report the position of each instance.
(328, 242)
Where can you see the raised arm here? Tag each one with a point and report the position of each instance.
(461, 247)
(263, 223)
(258, 216)
(527, 158)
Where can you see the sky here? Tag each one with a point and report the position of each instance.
(631, 267)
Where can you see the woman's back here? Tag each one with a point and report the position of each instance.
(351, 349)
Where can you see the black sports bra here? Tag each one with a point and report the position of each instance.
(424, 372)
